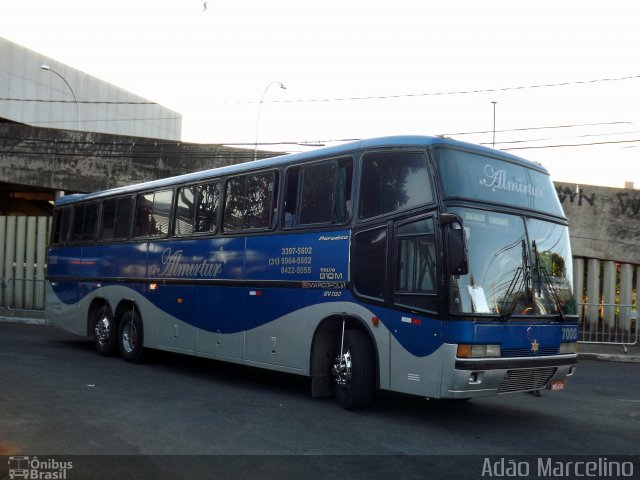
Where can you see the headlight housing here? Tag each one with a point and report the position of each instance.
(478, 351)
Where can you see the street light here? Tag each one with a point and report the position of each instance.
(49, 69)
(255, 152)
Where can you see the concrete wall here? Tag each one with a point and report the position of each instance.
(86, 162)
(604, 222)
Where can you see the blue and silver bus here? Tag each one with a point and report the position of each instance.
(412, 264)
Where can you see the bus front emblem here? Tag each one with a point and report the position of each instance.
(535, 346)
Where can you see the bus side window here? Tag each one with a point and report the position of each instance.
(368, 262)
(85, 221)
(61, 224)
(116, 219)
(206, 213)
(185, 210)
(291, 197)
(416, 283)
(393, 181)
(318, 194)
(250, 202)
(152, 214)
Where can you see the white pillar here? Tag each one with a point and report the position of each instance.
(626, 290)
(609, 293)
(41, 254)
(30, 258)
(9, 257)
(578, 283)
(21, 232)
(593, 293)
(3, 235)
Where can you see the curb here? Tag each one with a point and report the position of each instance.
(24, 320)
(609, 357)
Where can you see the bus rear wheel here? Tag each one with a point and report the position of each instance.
(105, 332)
(130, 338)
(354, 371)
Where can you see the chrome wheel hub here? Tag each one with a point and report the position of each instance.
(102, 330)
(342, 368)
(129, 337)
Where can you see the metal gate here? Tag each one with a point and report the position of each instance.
(23, 249)
(608, 323)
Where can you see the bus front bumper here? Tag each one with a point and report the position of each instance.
(490, 376)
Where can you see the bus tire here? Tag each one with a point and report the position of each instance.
(131, 338)
(105, 332)
(354, 371)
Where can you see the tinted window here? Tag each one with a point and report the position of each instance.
(416, 284)
(318, 185)
(85, 221)
(152, 214)
(393, 181)
(250, 202)
(61, 224)
(486, 178)
(185, 210)
(369, 262)
(116, 218)
(319, 193)
(197, 209)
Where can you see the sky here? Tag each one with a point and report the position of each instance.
(565, 74)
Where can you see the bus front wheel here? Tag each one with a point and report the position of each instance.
(354, 372)
(130, 338)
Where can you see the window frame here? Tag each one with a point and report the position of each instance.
(71, 238)
(395, 293)
(302, 167)
(273, 207)
(401, 211)
(58, 214)
(137, 195)
(219, 208)
(117, 198)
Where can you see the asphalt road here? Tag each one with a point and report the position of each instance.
(58, 397)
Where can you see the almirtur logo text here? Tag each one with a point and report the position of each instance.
(32, 468)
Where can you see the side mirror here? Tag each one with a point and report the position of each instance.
(456, 244)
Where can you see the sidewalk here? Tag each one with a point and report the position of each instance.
(586, 351)
(609, 353)
(29, 317)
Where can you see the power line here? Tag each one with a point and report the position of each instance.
(344, 99)
(540, 128)
(434, 94)
(92, 102)
(571, 145)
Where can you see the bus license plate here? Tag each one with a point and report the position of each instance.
(556, 386)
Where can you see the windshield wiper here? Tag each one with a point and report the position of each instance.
(513, 294)
(542, 274)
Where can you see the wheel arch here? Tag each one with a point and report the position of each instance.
(323, 351)
(126, 305)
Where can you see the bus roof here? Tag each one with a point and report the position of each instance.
(326, 152)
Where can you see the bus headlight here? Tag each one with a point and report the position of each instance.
(566, 348)
(478, 351)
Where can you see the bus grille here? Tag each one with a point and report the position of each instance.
(523, 380)
(526, 352)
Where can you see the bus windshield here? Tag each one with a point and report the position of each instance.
(517, 267)
(480, 177)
